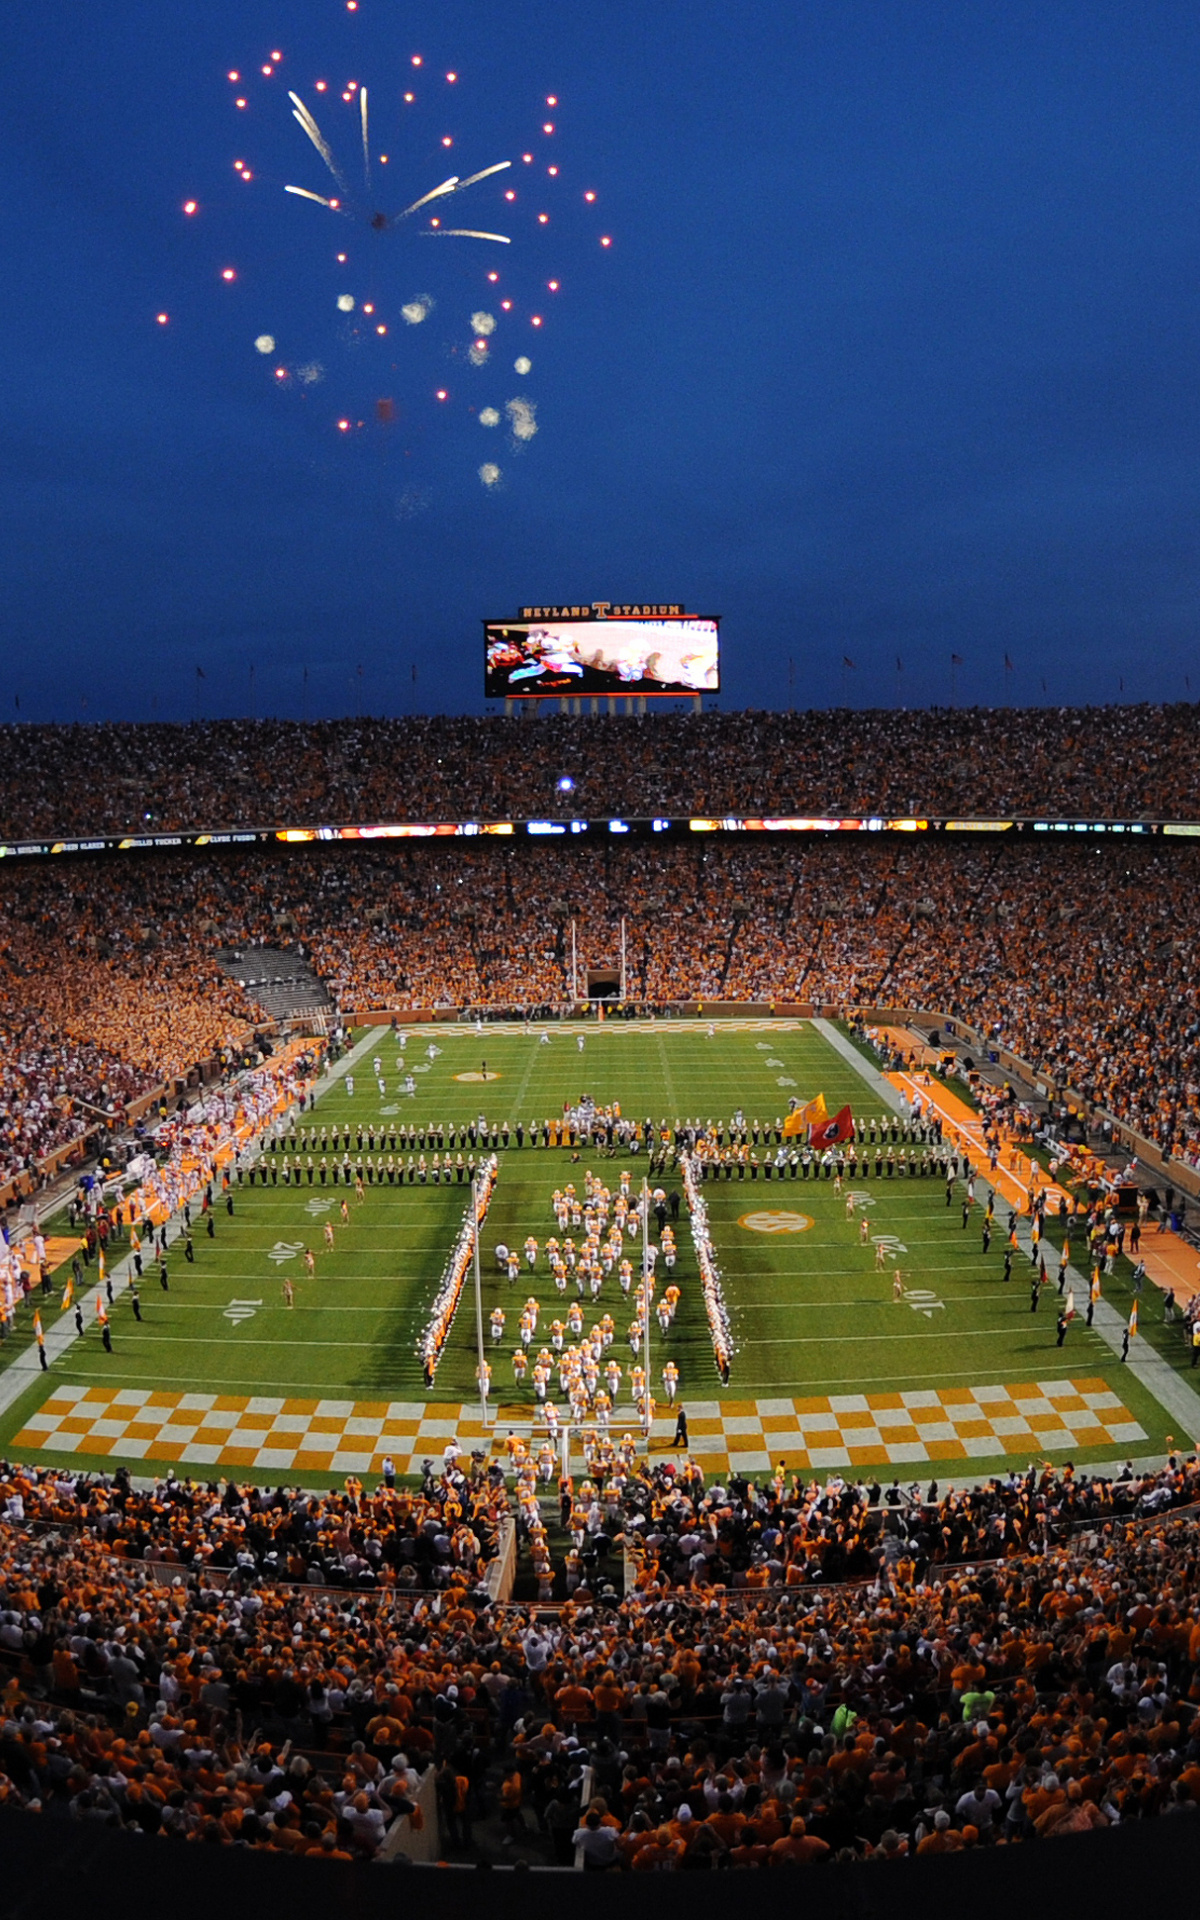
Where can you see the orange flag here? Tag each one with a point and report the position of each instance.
(802, 1118)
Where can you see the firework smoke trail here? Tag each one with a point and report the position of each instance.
(466, 233)
(301, 113)
(362, 101)
(483, 174)
(435, 193)
(455, 185)
(320, 199)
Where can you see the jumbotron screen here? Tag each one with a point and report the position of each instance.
(622, 654)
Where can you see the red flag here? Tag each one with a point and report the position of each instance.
(832, 1131)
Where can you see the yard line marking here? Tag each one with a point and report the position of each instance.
(868, 1339)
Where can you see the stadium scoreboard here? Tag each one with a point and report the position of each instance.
(602, 648)
(202, 839)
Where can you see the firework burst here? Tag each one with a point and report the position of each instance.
(354, 206)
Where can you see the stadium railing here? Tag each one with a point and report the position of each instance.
(587, 1789)
(502, 1572)
(419, 1843)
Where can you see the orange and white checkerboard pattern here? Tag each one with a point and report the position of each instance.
(899, 1430)
(260, 1434)
(915, 1429)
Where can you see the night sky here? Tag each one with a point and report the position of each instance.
(893, 354)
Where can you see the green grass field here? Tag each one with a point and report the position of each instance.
(812, 1314)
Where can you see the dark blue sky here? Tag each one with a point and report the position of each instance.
(895, 351)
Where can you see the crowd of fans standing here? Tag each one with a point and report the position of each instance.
(240, 1667)
(1091, 762)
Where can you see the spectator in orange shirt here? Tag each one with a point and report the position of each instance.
(609, 1701)
(328, 1849)
(798, 1845)
(726, 1822)
(511, 1799)
(661, 1854)
(638, 1834)
(1075, 1814)
(943, 1839)
(574, 1704)
(1039, 1798)
(683, 1826)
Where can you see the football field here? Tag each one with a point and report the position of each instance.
(837, 1364)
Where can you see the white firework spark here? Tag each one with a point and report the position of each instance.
(354, 206)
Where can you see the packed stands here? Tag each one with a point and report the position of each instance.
(49, 1086)
(105, 993)
(736, 1676)
(236, 1667)
(1078, 958)
(1088, 762)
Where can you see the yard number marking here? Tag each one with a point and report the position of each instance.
(921, 1300)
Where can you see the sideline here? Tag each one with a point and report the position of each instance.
(961, 1120)
(1175, 1396)
(878, 1082)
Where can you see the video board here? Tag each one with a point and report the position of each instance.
(639, 826)
(643, 653)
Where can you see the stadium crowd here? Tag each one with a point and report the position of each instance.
(48, 1083)
(682, 1534)
(1091, 762)
(237, 1667)
(1079, 958)
(102, 997)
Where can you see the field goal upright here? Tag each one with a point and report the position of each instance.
(606, 981)
(568, 1443)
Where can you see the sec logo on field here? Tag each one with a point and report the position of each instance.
(775, 1220)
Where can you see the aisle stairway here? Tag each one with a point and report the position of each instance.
(280, 979)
